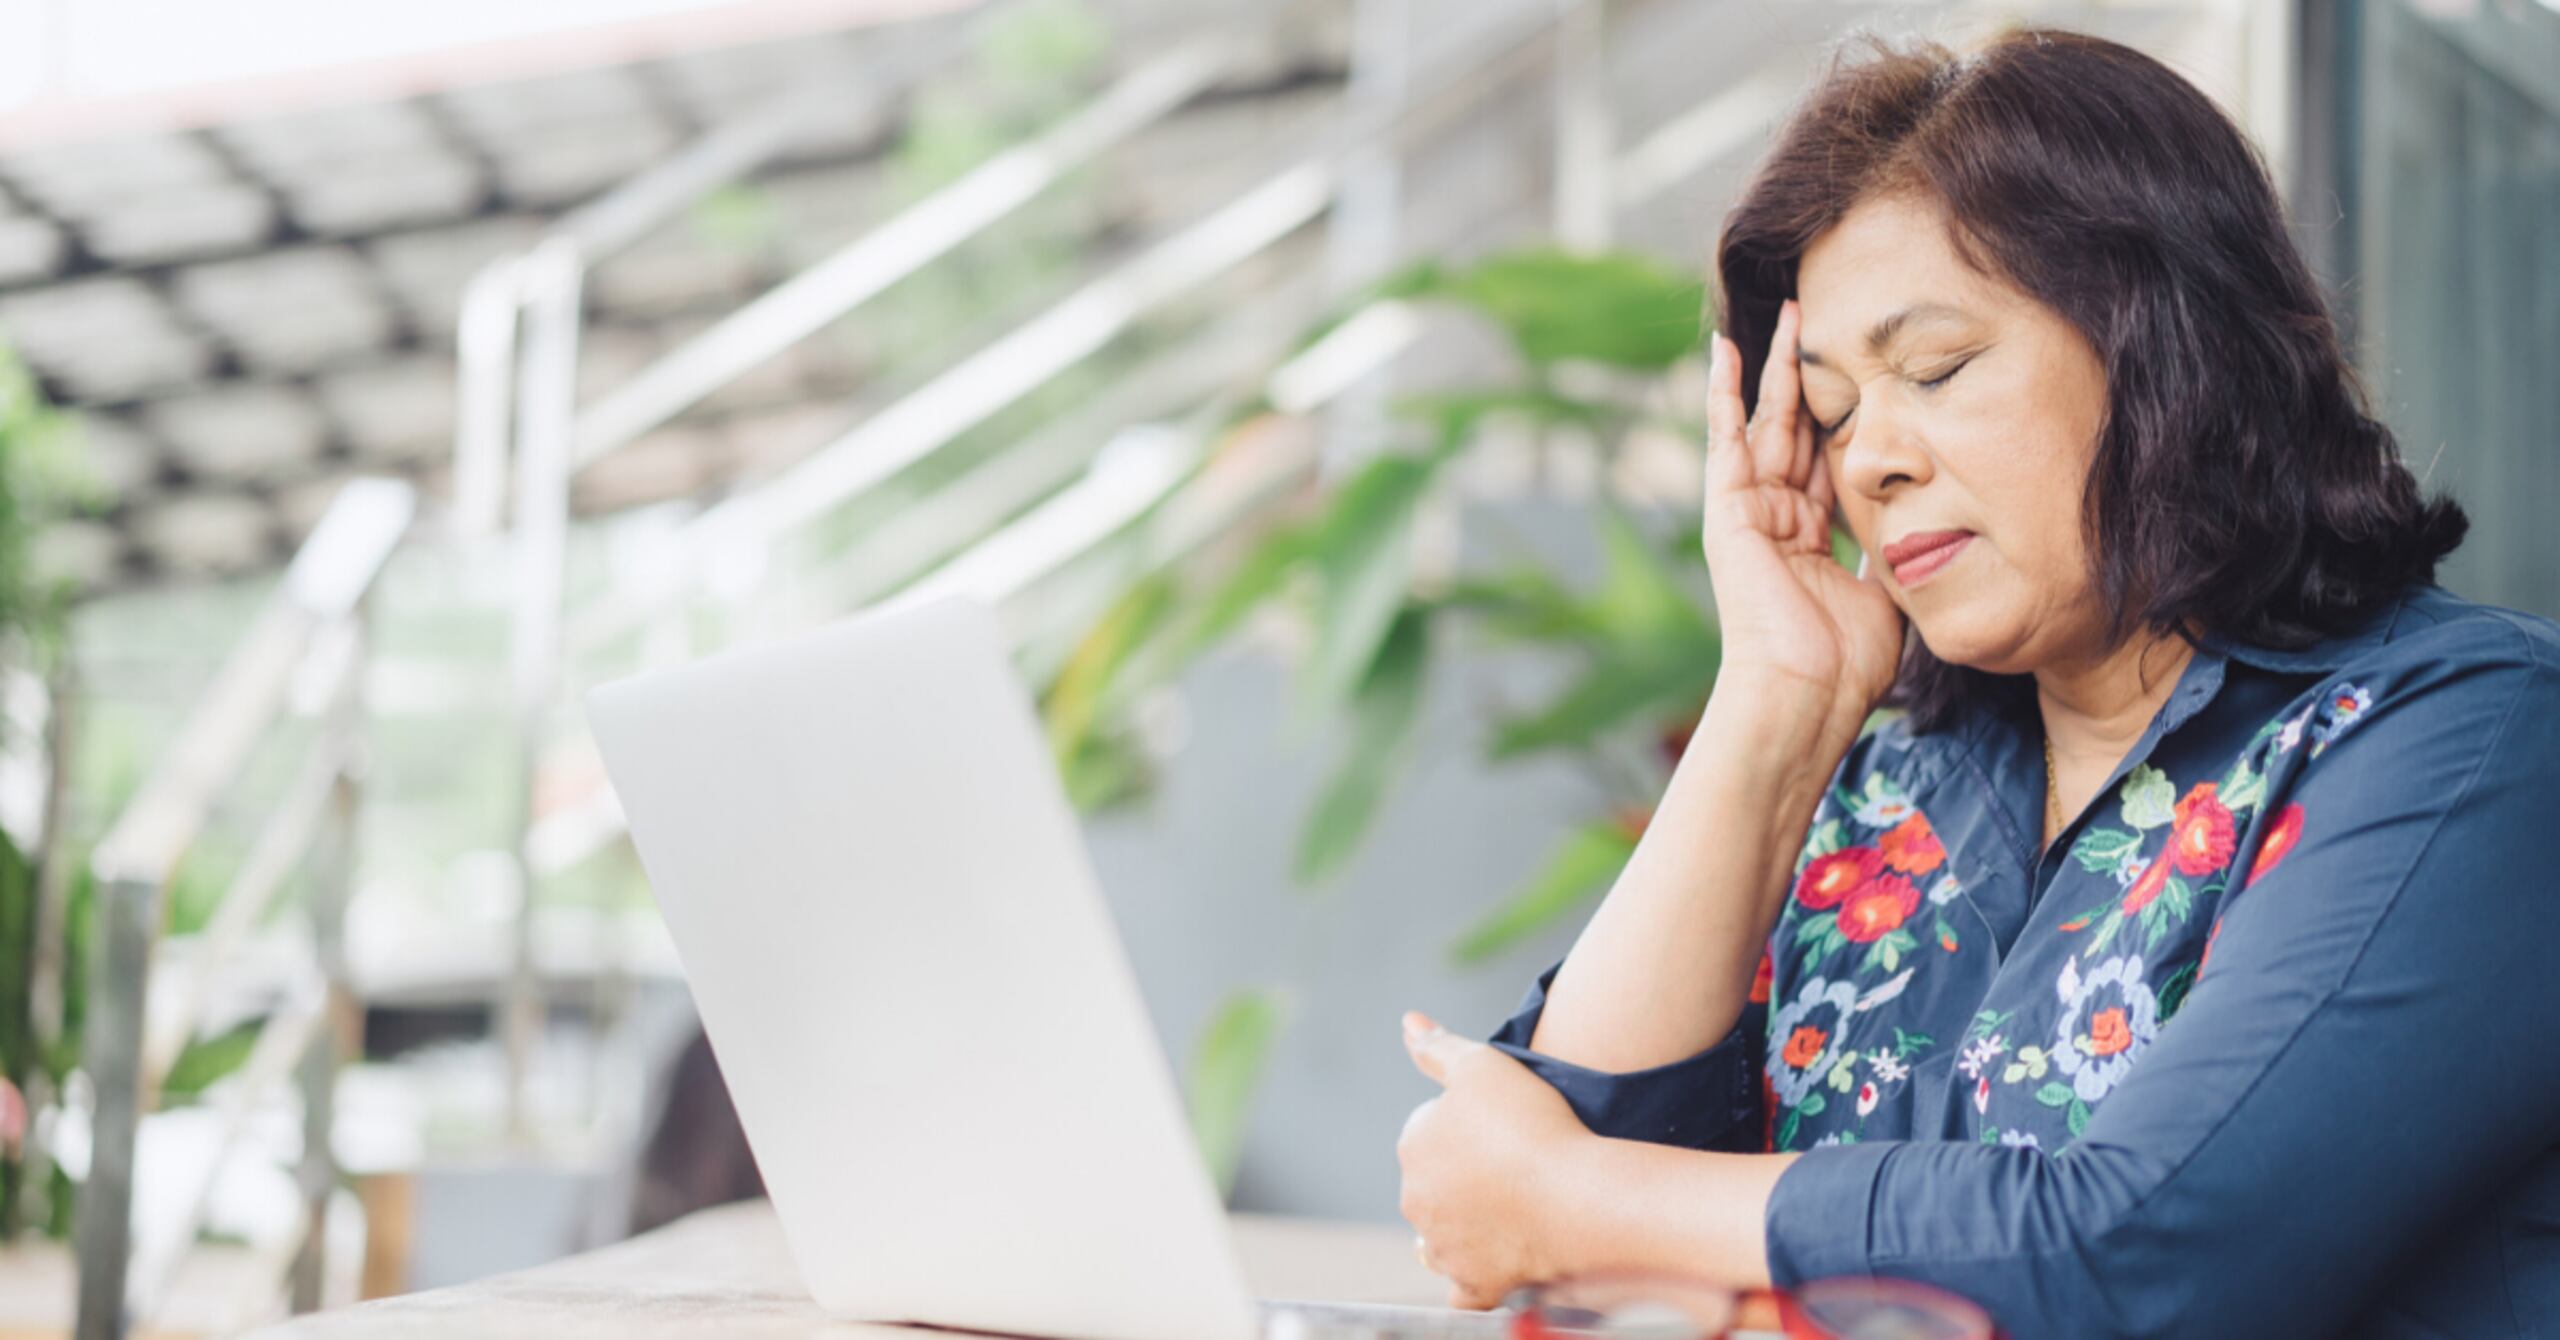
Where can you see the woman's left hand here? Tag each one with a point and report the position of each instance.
(1478, 1160)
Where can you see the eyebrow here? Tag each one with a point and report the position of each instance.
(1883, 331)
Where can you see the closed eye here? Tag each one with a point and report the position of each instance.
(1942, 378)
(1822, 431)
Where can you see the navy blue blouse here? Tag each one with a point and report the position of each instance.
(2266, 1044)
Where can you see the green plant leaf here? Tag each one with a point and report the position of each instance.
(206, 1060)
(1640, 596)
(1652, 649)
(1422, 280)
(1458, 415)
(1074, 698)
(1606, 695)
(1365, 553)
(1264, 569)
(1617, 308)
(1384, 711)
(1105, 771)
(1226, 1066)
(1584, 865)
(1523, 604)
(1844, 549)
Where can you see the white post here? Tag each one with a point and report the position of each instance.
(545, 418)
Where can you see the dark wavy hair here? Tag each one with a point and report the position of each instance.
(2241, 486)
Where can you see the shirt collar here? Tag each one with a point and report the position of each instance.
(2203, 675)
(2002, 738)
(2328, 653)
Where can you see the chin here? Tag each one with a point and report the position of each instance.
(1988, 640)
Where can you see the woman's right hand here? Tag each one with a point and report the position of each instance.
(1794, 622)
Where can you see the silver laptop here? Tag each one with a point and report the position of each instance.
(893, 933)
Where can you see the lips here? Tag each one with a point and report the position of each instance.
(1912, 546)
(1914, 558)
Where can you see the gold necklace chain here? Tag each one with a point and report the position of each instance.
(2052, 794)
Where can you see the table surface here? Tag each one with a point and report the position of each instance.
(726, 1272)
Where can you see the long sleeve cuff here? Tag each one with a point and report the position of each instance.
(1707, 1101)
(1818, 1213)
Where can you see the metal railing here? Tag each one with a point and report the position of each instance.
(1290, 194)
(309, 635)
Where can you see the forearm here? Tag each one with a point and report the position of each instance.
(1634, 1205)
(1663, 968)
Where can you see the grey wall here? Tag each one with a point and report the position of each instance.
(2432, 204)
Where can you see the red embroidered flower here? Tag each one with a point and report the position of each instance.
(2147, 885)
(1877, 908)
(1761, 979)
(1804, 1046)
(2201, 837)
(2282, 832)
(1828, 879)
(2108, 1033)
(1912, 847)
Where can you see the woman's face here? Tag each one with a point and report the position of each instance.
(1945, 400)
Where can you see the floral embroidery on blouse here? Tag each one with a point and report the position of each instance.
(1868, 911)
(2110, 1013)
(1870, 880)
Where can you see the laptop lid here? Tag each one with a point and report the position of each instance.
(892, 930)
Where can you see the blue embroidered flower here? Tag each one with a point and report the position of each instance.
(2096, 1040)
(1803, 1044)
(2343, 708)
(1884, 804)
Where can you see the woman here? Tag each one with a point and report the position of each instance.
(2169, 957)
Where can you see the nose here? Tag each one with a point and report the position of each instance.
(1882, 452)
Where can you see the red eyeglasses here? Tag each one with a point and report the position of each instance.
(1636, 1305)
